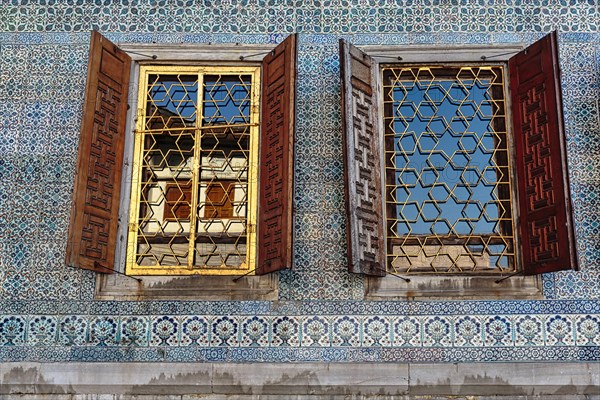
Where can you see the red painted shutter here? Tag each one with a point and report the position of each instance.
(363, 161)
(276, 170)
(95, 210)
(547, 237)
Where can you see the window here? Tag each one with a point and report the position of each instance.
(195, 171)
(445, 177)
(212, 182)
(448, 179)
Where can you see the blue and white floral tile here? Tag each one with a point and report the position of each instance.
(164, 331)
(316, 331)
(310, 226)
(346, 331)
(285, 332)
(571, 284)
(58, 177)
(560, 330)
(498, 331)
(225, 331)
(29, 168)
(406, 331)
(52, 225)
(134, 331)
(468, 331)
(376, 331)
(42, 330)
(437, 331)
(102, 331)
(8, 168)
(72, 330)
(529, 330)
(587, 329)
(254, 331)
(64, 285)
(16, 285)
(195, 331)
(17, 255)
(12, 330)
(10, 138)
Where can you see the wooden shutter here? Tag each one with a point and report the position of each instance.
(95, 210)
(276, 170)
(547, 236)
(363, 161)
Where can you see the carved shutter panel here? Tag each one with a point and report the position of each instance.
(362, 155)
(548, 241)
(276, 170)
(95, 210)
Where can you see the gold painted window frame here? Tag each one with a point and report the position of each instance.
(247, 267)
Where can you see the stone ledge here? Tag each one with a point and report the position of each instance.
(279, 397)
(300, 379)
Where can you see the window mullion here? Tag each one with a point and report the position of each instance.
(196, 172)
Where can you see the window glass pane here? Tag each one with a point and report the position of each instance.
(171, 101)
(223, 192)
(226, 99)
(166, 179)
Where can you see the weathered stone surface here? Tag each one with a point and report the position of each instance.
(145, 381)
(535, 379)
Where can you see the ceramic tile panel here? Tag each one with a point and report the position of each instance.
(48, 310)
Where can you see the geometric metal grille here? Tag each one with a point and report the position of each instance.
(193, 203)
(448, 175)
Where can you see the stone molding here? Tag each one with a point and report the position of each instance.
(300, 379)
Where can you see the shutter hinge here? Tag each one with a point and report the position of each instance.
(132, 227)
(251, 228)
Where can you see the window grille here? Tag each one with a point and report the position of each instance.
(448, 180)
(195, 171)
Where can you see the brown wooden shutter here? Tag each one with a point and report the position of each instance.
(547, 236)
(276, 170)
(363, 161)
(95, 210)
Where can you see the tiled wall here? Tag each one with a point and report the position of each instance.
(47, 309)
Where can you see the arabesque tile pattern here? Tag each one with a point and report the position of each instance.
(48, 309)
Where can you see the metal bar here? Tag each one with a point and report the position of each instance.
(197, 161)
(242, 58)
(190, 128)
(507, 277)
(393, 274)
(153, 56)
(204, 237)
(419, 240)
(498, 55)
(398, 58)
(237, 278)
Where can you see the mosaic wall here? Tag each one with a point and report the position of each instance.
(48, 312)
